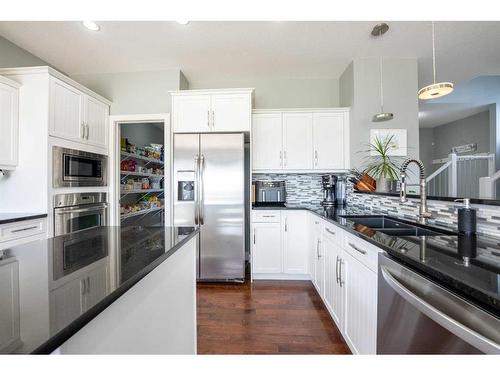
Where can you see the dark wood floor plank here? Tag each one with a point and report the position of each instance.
(266, 317)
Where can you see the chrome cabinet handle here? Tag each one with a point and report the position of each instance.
(268, 215)
(23, 229)
(357, 248)
(316, 158)
(213, 119)
(284, 158)
(341, 262)
(208, 119)
(197, 188)
(281, 158)
(202, 190)
(88, 130)
(318, 253)
(337, 269)
(330, 231)
(286, 224)
(82, 130)
(254, 236)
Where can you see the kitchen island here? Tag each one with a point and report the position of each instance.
(109, 290)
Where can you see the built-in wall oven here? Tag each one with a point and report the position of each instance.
(73, 168)
(78, 211)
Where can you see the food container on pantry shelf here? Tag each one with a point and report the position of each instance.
(139, 169)
(145, 183)
(137, 185)
(155, 183)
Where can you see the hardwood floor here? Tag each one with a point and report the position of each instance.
(266, 317)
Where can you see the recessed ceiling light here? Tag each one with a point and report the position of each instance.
(91, 25)
(182, 22)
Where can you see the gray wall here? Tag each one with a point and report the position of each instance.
(282, 93)
(360, 88)
(436, 143)
(135, 92)
(142, 134)
(12, 56)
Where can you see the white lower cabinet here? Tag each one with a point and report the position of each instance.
(9, 300)
(295, 254)
(333, 282)
(360, 312)
(266, 248)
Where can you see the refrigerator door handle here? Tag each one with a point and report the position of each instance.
(201, 197)
(452, 324)
(197, 189)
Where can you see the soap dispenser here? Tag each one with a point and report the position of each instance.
(466, 217)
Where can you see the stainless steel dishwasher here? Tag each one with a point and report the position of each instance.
(417, 316)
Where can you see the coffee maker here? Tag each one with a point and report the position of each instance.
(334, 190)
(329, 182)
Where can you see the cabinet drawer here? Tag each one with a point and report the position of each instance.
(266, 216)
(334, 233)
(22, 229)
(361, 250)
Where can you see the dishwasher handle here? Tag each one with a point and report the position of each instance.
(467, 334)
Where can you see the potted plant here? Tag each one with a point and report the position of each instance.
(380, 165)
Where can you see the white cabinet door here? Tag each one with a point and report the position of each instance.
(66, 303)
(297, 141)
(96, 121)
(9, 301)
(97, 285)
(319, 263)
(333, 283)
(360, 314)
(266, 249)
(231, 112)
(191, 113)
(295, 249)
(330, 145)
(266, 141)
(9, 126)
(66, 111)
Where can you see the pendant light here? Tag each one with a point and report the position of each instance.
(379, 30)
(437, 89)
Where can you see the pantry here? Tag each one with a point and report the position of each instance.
(142, 174)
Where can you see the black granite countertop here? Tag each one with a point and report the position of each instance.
(12, 217)
(50, 306)
(440, 258)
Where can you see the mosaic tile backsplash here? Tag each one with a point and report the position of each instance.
(301, 189)
(443, 213)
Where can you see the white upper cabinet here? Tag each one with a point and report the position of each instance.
(315, 140)
(9, 123)
(331, 141)
(66, 111)
(266, 141)
(231, 112)
(203, 111)
(97, 115)
(76, 116)
(297, 140)
(191, 113)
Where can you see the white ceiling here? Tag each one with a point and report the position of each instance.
(249, 50)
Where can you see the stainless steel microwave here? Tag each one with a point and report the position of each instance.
(72, 168)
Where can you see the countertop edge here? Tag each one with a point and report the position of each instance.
(62, 336)
(22, 217)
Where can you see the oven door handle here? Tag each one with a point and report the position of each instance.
(460, 330)
(62, 211)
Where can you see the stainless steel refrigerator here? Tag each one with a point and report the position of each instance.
(209, 192)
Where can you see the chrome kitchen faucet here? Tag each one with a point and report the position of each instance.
(423, 214)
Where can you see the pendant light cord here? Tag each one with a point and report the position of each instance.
(433, 55)
(381, 80)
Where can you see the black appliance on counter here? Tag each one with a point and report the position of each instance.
(334, 190)
(270, 193)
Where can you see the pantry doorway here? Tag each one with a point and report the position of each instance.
(140, 163)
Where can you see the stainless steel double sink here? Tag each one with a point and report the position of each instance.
(395, 227)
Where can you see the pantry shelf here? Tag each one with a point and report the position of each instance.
(153, 175)
(141, 212)
(128, 155)
(139, 191)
